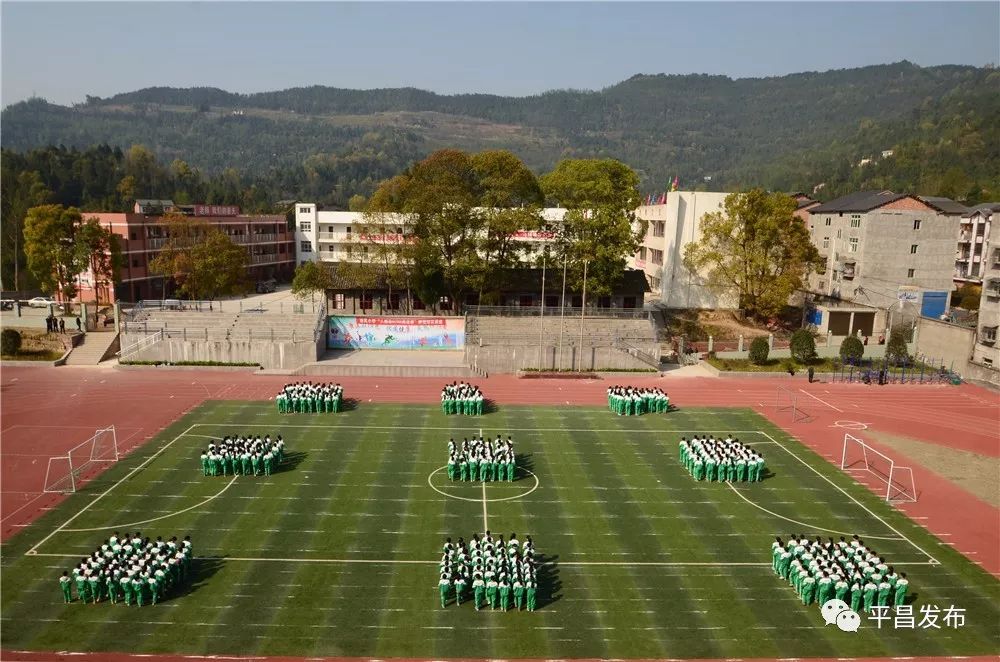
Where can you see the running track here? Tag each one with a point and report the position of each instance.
(46, 411)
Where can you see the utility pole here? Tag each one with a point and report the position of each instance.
(562, 314)
(541, 315)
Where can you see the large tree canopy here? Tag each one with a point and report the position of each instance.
(600, 229)
(756, 248)
(202, 260)
(49, 244)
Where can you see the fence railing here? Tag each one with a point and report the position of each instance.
(555, 311)
(140, 345)
(916, 370)
(635, 352)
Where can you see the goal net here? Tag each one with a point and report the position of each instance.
(786, 400)
(66, 472)
(898, 482)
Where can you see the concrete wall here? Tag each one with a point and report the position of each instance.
(510, 359)
(284, 355)
(953, 345)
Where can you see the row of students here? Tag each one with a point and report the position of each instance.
(632, 401)
(478, 459)
(499, 574)
(309, 398)
(846, 570)
(462, 398)
(131, 569)
(243, 456)
(722, 460)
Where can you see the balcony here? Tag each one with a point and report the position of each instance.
(156, 242)
(263, 238)
(264, 258)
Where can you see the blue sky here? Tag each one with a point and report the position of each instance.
(63, 51)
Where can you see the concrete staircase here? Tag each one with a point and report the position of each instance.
(94, 347)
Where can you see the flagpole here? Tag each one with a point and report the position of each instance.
(583, 310)
(562, 313)
(541, 315)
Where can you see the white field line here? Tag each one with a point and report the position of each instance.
(486, 525)
(156, 519)
(450, 429)
(805, 524)
(933, 560)
(34, 550)
(821, 401)
(568, 564)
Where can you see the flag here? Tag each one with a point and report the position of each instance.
(649, 199)
(663, 199)
(673, 187)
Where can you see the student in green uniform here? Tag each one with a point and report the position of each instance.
(491, 593)
(479, 591)
(902, 584)
(884, 591)
(532, 594)
(504, 594)
(870, 592)
(459, 584)
(126, 586)
(518, 590)
(856, 595)
(138, 590)
(808, 590)
(444, 585)
(66, 584)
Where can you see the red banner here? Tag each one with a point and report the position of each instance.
(216, 210)
(534, 234)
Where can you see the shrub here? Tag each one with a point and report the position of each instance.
(759, 350)
(789, 366)
(10, 342)
(895, 349)
(852, 349)
(803, 346)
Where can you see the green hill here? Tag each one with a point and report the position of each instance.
(786, 132)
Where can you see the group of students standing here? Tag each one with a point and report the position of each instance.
(243, 456)
(632, 401)
(462, 398)
(134, 569)
(849, 571)
(309, 398)
(499, 574)
(722, 460)
(477, 459)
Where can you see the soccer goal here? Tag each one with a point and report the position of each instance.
(65, 472)
(787, 400)
(859, 456)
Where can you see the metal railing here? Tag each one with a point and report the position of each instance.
(637, 353)
(139, 345)
(556, 311)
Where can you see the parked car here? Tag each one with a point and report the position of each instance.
(6, 304)
(266, 286)
(41, 302)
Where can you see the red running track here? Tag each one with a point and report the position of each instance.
(47, 411)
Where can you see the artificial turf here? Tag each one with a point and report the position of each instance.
(642, 561)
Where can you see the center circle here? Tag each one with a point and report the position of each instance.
(430, 481)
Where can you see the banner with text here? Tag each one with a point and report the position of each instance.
(360, 332)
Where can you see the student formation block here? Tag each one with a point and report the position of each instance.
(500, 575)
(632, 401)
(309, 398)
(842, 570)
(462, 398)
(720, 460)
(130, 569)
(481, 460)
(243, 456)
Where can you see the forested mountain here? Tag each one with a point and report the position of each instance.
(789, 132)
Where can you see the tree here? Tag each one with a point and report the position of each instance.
(968, 296)
(600, 228)
(53, 258)
(202, 260)
(895, 349)
(755, 248)
(100, 248)
(357, 202)
(310, 278)
(803, 346)
(759, 349)
(10, 342)
(852, 350)
(20, 192)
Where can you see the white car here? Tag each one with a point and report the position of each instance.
(41, 302)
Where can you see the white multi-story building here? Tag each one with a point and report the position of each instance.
(973, 243)
(671, 226)
(337, 236)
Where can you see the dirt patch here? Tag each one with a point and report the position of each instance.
(724, 325)
(971, 471)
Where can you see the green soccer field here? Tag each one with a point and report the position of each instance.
(336, 554)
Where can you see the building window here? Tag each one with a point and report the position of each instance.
(306, 226)
(642, 252)
(658, 228)
(305, 247)
(394, 301)
(989, 334)
(135, 262)
(525, 301)
(657, 256)
(840, 234)
(417, 303)
(399, 231)
(826, 243)
(347, 251)
(913, 249)
(604, 302)
(855, 220)
(348, 229)
(338, 301)
(910, 273)
(852, 244)
(829, 221)
(551, 300)
(305, 210)
(131, 235)
(654, 283)
(916, 224)
(366, 301)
